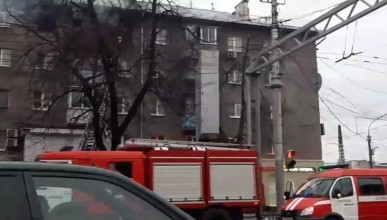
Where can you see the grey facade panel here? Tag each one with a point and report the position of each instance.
(209, 84)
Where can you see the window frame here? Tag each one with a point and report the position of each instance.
(121, 101)
(340, 179)
(124, 185)
(8, 98)
(157, 105)
(1, 57)
(70, 100)
(235, 112)
(232, 44)
(45, 62)
(42, 101)
(236, 78)
(162, 36)
(208, 41)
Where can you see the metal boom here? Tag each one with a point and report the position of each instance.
(301, 36)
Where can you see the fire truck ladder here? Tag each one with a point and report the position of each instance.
(183, 145)
(88, 140)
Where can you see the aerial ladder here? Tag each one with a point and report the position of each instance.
(88, 142)
(154, 144)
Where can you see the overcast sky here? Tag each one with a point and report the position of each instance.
(354, 89)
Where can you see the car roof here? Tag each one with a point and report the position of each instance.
(52, 167)
(65, 168)
(334, 173)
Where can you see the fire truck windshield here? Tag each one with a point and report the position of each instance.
(316, 188)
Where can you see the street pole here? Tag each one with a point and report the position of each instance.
(370, 153)
(248, 112)
(341, 147)
(258, 143)
(370, 150)
(276, 86)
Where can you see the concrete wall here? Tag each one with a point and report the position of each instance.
(38, 141)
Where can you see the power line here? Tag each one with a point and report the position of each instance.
(350, 80)
(339, 120)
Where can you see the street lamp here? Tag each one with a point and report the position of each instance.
(370, 150)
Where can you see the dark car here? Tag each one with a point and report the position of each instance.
(67, 192)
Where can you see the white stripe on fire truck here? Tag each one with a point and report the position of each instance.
(290, 204)
(324, 202)
(372, 198)
(296, 203)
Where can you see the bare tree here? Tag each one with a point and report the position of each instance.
(239, 65)
(69, 37)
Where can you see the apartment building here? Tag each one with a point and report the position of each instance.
(206, 98)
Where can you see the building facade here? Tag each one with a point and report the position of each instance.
(204, 50)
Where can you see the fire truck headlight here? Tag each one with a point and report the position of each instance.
(307, 211)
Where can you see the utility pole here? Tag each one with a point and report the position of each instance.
(248, 110)
(370, 152)
(276, 86)
(341, 147)
(258, 141)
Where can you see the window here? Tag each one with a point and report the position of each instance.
(345, 187)
(4, 98)
(158, 109)
(89, 75)
(318, 188)
(125, 168)
(158, 72)
(77, 198)
(40, 102)
(189, 105)
(124, 69)
(5, 57)
(234, 46)
(371, 186)
(208, 35)
(78, 100)
(161, 37)
(123, 105)
(235, 77)
(236, 111)
(14, 203)
(44, 61)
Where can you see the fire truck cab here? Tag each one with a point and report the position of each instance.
(340, 194)
(200, 181)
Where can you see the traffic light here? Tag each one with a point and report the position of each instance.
(290, 161)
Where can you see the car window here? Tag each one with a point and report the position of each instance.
(371, 186)
(75, 198)
(13, 198)
(345, 187)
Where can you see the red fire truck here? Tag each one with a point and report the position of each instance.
(202, 179)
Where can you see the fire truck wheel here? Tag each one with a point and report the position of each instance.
(217, 214)
(333, 218)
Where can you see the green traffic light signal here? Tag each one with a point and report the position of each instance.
(320, 169)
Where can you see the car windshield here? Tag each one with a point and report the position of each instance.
(316, 188)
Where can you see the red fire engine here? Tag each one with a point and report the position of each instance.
(200, 178)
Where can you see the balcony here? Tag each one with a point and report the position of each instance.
(189, 122)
